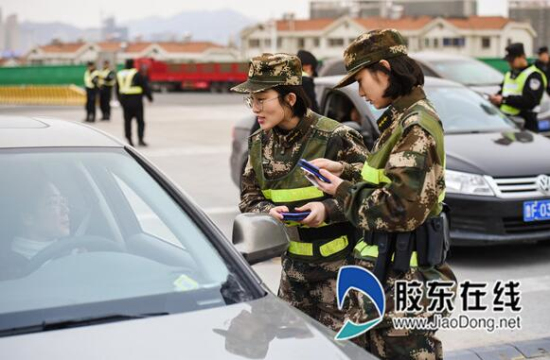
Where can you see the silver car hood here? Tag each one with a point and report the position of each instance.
(262, 329)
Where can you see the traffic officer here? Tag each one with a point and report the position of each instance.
(131, 87)
(309, 71)
(107, 81)
(522, 89)
(273, 182)
(399, 203)
(91, 83)
(543, 63)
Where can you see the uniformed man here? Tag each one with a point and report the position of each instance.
(273, 183)
(91, 83)
(107, 80)
(399, 203)
(522, 88)
(543, 63)
(131, 88)
(309, 72)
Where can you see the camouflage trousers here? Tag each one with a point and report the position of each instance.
(311, 288)
(387, 342)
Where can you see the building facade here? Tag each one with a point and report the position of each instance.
(538, 14)
(473, 36)
(59, 53)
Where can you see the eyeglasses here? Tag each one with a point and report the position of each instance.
(259, 104)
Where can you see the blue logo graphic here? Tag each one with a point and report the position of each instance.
(355, 277)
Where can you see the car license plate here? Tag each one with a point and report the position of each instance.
(544, 125)
(536, 210)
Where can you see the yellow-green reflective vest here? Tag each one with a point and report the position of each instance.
(125, 78)
(103, 75)
(89, 78)
(373, 169)
(294, 190)
(515, 87)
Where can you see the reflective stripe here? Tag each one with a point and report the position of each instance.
(300, 248)
(334, 246)
(291, 195)
(326, 250)
(373, 175)
(365, 250)
(125, 78)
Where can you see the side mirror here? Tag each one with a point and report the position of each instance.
(259, 237)
(519, 121)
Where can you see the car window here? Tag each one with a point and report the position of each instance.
(468, 72)
(334, 67)
(462, 110)
(426, 70)
(94, 232)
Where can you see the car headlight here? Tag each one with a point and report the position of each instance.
(469, 184)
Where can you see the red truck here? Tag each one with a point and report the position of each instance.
(216, 77)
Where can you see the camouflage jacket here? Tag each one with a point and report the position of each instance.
(281, 153)
(406, 202)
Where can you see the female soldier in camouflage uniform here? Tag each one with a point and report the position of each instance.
(399, 203)
(274, 183)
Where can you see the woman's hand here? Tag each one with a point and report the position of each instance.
(335, 181)
(334, 167)
(277, 211)
(317, 216)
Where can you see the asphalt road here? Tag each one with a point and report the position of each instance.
(190, 140)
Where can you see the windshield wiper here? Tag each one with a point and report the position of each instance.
(86, 321)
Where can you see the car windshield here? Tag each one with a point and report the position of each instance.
(468, 72)
(89, 233)
(462, 111)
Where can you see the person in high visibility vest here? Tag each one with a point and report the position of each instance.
(522, 89)
(273, 182)
(131, 88)
(107, 80)
(398, 205)
(91, 83)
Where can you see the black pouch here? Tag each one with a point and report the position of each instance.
(403, 251)
(385, 250)
(436, 239)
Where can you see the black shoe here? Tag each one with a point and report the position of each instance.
(105, 119)
(89, 120)
(130, 142)
(142, 143)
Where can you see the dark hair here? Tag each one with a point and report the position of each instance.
(302, 101)
(129, 64)
(404, 75)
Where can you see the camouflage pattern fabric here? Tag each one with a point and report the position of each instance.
(368, 49)
(417, 181)
(308, 286)
(269, 70)
(311, 288)
(281, 152)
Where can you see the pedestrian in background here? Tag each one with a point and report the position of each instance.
(273, 182)
(309, 71)
(131, 88)
(522, 89)
(91, 83)
(107, 80)
(543, 63)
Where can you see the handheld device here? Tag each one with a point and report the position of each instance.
(295, 216)
(313, 170)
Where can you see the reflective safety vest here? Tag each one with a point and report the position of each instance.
(125, 78)
(327, 242)
(103, 77)
(515, 87)
(89, 77)
(373, 169)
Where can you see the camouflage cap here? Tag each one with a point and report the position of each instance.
(370, 48)
(269, 70)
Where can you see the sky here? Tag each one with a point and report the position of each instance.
(88, 13)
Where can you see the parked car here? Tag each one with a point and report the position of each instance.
(497, 174)
(102, 257)
(465, 70)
